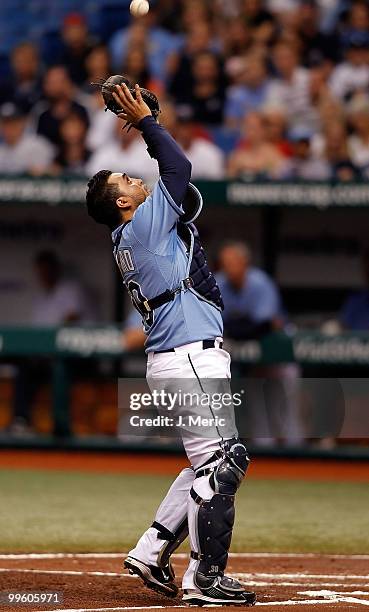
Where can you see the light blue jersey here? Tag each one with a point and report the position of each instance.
(152, 258)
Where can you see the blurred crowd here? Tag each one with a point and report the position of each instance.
(274, 89)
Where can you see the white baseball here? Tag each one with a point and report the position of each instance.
(139, 8)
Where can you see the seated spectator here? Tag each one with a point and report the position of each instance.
(336, 151)
(198, 40)
(60, 102)
(97, 66)
(77, 44)
(255, 156)
(352, 75)
(291, 88)
(24, 88)
(73, 153)
(252, 304)
(204, 100)
(275, 120)
(250, 92)
(206, 158)
(146, 33)
(355, 311)
(136, 68)
(358, 142)
(357, 21)
(126, 153)
(259, 19)
(317, 46)
(236, 42)
(304, 165)
(20, 151)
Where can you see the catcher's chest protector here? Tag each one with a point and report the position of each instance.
(204, 284)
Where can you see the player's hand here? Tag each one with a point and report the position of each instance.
(134, 109)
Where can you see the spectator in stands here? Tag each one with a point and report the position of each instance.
(204, 100)
(145, 33)
(77, 44)
(252, 309)
(24, 88)
(73, 153)
(250, 92)
(304, 165)
(20, 151)
(252, 304)
(58, 301)
(357, 21)
(60, 102)
(97, 66)
(355, 311)
(236, 42)
(206, 158)
(359, 140)
(275, 120)
(336, 151)
(291, 88)
(137, 70)
(352, 75)
(180, 64)
(259, 19)
(255, 156)
(316, 46)
(126, 153)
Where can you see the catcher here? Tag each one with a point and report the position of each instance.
(164, 268)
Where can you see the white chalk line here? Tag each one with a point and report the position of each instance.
(249, 581)
(246, 575)
(240, 555)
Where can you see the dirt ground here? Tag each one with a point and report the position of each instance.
(96, 582)
(129, 463)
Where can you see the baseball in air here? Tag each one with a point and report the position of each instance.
(139, 8)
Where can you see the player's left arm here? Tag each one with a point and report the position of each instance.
(174, 167)
(157, 216)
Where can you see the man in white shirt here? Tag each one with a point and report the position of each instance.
(20, 151)
(125, 152)
(353, 74)
(291, 88)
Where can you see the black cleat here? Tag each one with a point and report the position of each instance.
(223, 591)
(156, 578)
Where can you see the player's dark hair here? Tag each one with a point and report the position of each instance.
(101, 199)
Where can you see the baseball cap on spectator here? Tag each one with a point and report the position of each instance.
(73, 19)
(9, 111)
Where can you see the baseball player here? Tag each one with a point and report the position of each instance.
(164, 269)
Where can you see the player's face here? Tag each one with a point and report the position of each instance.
(134, 189)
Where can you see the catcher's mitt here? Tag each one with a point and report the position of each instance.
(108, 87)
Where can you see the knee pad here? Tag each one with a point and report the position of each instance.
(231, 470)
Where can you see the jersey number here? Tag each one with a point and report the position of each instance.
(138, 300)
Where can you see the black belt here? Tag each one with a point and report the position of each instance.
(206, 344)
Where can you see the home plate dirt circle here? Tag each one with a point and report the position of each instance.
(95, 582)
